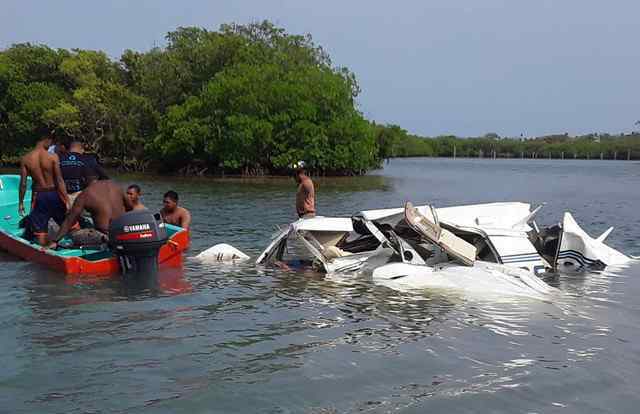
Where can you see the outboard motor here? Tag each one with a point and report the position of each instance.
(136, 238)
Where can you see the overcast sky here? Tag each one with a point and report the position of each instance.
(464, 67)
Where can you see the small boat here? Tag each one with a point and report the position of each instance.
(71, 261)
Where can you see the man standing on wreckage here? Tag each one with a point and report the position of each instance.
(306, 194)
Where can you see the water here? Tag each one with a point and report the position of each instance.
(240, 339)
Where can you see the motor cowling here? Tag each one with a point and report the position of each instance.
(136, 238)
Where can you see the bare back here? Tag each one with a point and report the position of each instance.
(42, 167)
(106, 201)
(305, 197)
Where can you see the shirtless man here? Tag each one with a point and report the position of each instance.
(49, 194)
(133, 194)
(306, 194)
(172, 213)
(105, 201)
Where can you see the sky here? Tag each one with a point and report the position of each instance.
(463, 67)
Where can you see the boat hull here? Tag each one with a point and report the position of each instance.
(171, 255)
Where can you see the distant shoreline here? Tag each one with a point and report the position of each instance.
(4, 169)
(13, 169)
(519, 158)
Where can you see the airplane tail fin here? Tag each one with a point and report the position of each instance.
(604, 235)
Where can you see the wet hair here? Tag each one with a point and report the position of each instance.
(135, 187)
(300, 170)
(171, 195)
(46, 134)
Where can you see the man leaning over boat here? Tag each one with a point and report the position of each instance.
(105, 201)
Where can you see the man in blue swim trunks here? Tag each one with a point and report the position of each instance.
(49, 194)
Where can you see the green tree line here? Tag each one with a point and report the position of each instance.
(396, 142)
(249, 99)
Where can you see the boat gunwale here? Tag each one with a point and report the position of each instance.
(79, 265)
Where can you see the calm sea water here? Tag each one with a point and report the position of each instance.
(241, 339)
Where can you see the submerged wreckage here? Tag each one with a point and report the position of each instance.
(457, 247)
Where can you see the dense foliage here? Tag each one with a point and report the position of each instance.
(250, 99)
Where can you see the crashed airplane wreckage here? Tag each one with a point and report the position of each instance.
(447, 247)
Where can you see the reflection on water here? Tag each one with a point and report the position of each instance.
(241, 338)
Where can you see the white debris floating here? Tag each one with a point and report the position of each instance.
(222, 253)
